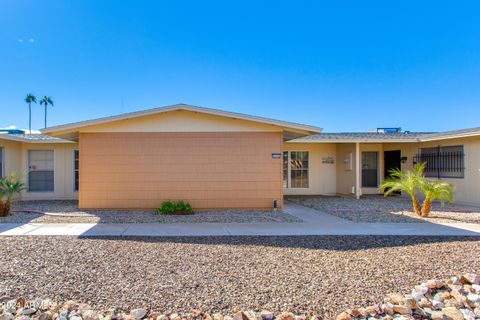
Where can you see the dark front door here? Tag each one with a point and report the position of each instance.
(392, 161)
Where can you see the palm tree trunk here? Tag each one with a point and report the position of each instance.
(2, 209)
(416, 206)
(45, 115)
(7, 207)
(426, 208)
(30, 117)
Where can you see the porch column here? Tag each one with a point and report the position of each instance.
(358, 170)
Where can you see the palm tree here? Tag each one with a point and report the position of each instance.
(46, 100)
(408, 182)
(8, 187)
(435, 190)
(29, 99)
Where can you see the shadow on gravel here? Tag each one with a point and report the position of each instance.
(377, 208)
(67, 211)
(334, 243)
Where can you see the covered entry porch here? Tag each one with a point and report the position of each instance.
(345, 163)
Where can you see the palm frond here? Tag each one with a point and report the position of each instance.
(30, 98)
(46, 100)
(438, 190)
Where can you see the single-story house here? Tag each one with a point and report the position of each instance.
(216, 159)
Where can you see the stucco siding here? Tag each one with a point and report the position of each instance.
(11, 156)
(63, 172)
(16, 160)
(211, 170)
(181, 121)
(467, 189)
(345, 168)
(321, 176)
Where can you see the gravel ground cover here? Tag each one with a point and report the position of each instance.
(68, 212)
(377, 208)
(319, 275)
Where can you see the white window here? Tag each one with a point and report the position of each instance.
(40, 170)
(295, 169)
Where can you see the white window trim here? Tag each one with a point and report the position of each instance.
(28, 171)
(289, 170)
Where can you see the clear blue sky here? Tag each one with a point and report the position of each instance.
(341, 65)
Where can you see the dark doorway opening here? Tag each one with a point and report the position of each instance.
(392, 160)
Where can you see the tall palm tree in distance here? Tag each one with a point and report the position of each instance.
(29, 99)
(45, 101)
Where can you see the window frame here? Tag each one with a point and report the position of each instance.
(377, 169)
(285, 177)
(289, 169)
(28, 171)
(437, 150)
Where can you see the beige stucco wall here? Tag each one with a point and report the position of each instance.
(376, 147)
(16, 159)
(181, 121)
(11, 156)
(468, 188)
(345, 173)
(322, 176)
(211, 170)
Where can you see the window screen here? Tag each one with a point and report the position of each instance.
(370, 169)
(41, 170)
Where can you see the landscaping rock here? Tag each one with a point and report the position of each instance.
(285, 316)
(138, 313)
(266, 315)
(455, 299)
(303, 275)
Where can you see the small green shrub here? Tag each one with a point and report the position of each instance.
(175, 207)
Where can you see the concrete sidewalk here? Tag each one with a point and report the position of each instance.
(315, 223)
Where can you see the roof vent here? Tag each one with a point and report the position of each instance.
(389, 130)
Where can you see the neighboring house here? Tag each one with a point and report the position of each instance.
(216, 159)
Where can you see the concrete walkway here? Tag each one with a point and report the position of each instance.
(315, 223)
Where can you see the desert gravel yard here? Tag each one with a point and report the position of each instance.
(59, 211)
(377, 208)
(321, 275)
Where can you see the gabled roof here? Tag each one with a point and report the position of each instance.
(234, 115)
(462, 133)
(372, 137)
(379, 137)
(32, 138)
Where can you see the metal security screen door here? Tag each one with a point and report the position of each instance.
(40, 170)
(370, 169)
